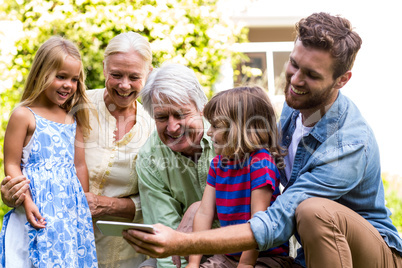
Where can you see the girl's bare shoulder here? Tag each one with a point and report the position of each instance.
(22, 113)
(22, 118)
(69, 119)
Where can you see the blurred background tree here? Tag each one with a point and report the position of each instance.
(189, 32)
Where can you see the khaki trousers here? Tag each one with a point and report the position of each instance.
(333, 235)
(223, 261)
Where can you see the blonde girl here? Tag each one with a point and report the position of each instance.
(43, 141)
(243, 178)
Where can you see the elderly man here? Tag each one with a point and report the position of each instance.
(333, 197)
(173, 164)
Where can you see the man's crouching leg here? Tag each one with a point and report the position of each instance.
(333, 235)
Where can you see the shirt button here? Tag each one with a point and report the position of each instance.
(48, 165)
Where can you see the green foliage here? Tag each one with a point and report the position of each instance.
(191, 32)
(3, 210)
(393, 197)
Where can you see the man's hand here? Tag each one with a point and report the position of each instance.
(13, 190)
(163, 243)
(168, 242)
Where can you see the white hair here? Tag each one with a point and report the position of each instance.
(130, 41)
(173, 83)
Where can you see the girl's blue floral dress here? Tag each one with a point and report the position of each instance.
(68, 239)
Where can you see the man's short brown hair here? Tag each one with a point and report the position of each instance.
(333, 34)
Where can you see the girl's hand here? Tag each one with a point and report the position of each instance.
(33, 215)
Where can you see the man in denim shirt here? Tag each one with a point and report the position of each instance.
(334, 197)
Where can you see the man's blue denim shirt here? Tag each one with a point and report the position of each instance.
(339, 160)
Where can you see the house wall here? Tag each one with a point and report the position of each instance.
(271, 34)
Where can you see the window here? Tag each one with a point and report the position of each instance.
(265, 67)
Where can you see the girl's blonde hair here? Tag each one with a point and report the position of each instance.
(248, 122)
(48, 60)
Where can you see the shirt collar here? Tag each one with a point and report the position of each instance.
(329, 123)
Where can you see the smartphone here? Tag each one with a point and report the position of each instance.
(115, 228)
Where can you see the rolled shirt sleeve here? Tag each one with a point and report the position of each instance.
(138, 210)
(331, 175)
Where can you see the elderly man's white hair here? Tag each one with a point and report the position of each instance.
(172, 83)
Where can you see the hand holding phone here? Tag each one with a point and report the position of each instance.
(115, 228)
